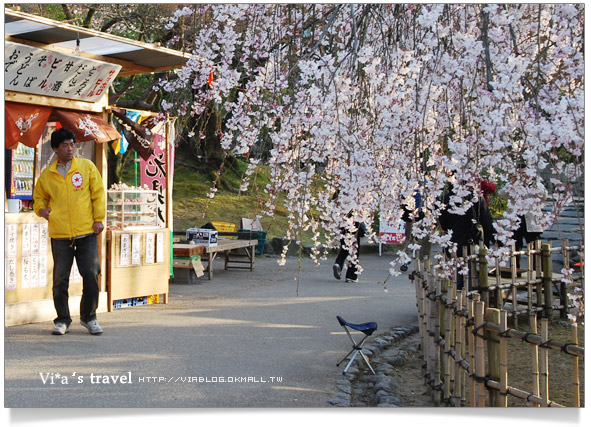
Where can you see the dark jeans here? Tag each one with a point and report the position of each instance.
(85, 250)
(342, 256)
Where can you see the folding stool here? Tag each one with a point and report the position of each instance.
(368, 329)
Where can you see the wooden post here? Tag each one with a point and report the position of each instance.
(503, 362)
(547, 280)
(447, 323)
(514, 286)
(493, 315)
(472, 350)
(544, 364)
(576, 383)
(499, 293)
(480, 355)
(437, 353)
(460, 332)
(483, 275)
(533, 328)
(539, 287)
(563, 286)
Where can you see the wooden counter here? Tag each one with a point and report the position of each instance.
(28, 272)
(135, 270)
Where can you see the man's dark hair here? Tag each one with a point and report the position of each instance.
(60, 135)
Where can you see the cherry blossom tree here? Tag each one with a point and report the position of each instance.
(377, 101)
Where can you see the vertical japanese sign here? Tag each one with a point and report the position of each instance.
(154, 170)
(39, 71)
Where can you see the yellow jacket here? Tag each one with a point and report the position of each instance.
(76, 202)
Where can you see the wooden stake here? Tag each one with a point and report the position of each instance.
(503, 362)
(576, 384)
(533, 328)
(493, 315)
(480, 355)
(547, 280)
(544, 365)
(471, 351)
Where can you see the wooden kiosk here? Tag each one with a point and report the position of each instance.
(52, 75)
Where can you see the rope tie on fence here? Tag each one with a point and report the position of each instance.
(476, 329)
(545, 344)
(525, 337)
(480, 379)
(564, 348)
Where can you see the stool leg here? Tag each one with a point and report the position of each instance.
(350, 361)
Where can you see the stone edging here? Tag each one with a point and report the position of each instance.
(386, 397)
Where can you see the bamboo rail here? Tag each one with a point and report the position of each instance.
(465, 334)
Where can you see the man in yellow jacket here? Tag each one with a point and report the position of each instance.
(71, 197)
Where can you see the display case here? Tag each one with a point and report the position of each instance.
(20, 165)
(132, 209)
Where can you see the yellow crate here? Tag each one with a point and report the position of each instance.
(153, 299)
(224, 226)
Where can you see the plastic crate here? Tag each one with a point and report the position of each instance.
(224, 226)
(153, 299)
(122, 303)
(260, 249)
(139, 301)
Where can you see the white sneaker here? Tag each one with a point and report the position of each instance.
(93, 327)
(336, 271)
(351, 280)
(60, 329)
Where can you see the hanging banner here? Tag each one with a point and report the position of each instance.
(24, 123)
(140, 138)
(33, 70)
(86, 126)
(154, 169)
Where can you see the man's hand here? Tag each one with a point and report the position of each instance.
(45, 213)
(98, 227)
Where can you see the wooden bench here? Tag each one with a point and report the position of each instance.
(235, 252)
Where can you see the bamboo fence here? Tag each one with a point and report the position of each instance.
(465, 333)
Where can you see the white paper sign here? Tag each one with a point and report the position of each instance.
(11, 239)
(10, 274)
(124, 249)
(26, 244)
(160, 247)
(25, 272)
(33, 70)
(136, 242)
(35, 238)
(150, 244)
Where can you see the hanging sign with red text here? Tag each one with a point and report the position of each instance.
(43, 72)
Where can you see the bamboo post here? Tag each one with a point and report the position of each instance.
(514, 285)
(563, 286)
(472, 350)
(483, 275)
(544, 364)
(503, 362)
(533, 328)
(459, 344)
(576, 383)
(530, 276)
(437, 353)
(547, 280)
(480, 355)
(493, 315)
(538, 268)
(428, 327)
(499, 293)
(447, 362)
(420, 294)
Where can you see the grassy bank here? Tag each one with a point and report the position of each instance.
(192, 207)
